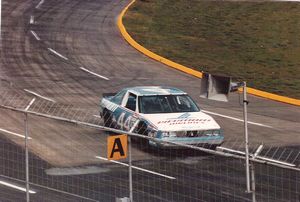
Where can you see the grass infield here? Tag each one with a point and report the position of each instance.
(254, 41)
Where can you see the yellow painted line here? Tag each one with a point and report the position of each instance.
(148, 53)
(187, 70)
(272, 96)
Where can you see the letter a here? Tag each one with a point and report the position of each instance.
(117, 147)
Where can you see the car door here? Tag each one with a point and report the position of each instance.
(126, 117)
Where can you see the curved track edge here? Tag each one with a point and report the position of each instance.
(188, 70)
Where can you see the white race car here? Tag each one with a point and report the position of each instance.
(163, 113)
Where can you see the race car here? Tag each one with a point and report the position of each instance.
(164, 113)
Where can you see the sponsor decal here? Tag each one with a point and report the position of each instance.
(184, 119)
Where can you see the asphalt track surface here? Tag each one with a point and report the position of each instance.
(48, 46)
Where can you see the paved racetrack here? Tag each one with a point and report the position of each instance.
(48, 49)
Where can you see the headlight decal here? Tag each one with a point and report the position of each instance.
(190, 134)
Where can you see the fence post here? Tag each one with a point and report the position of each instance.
(257, 152)
(253, 182)
(245, 103)
(130, 170)
(130, 160)
(26, 149)
(26, 157)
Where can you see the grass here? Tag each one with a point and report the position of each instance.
(254, 41)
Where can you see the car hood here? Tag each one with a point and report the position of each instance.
(182, 121)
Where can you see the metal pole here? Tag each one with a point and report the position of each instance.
(257, 152)
(26, 157)
(245, 103)
(130, 161)
(253, 182)
(130, 170)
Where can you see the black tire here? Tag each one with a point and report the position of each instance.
(142, 130)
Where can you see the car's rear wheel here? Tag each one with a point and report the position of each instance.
(107, 118)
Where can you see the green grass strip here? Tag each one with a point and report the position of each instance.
(253, 41)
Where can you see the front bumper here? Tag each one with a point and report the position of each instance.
(197, 141)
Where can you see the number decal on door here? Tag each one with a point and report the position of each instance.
(125, 123)
(121, 120)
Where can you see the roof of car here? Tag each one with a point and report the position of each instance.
(155, 90)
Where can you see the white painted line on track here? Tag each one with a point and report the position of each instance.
(98, 75)
(35, 35)
(29, 105)
(16, 187)
(58, 54)
(12, 133)
(137, 168)
(38, 95)
(31, 21)
(97, 116)
(236, 119)
(40, 4)
(48, 188)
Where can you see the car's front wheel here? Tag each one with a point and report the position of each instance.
(143, 130)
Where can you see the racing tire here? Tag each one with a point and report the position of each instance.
(142, 130)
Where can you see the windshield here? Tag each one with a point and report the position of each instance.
(166, 104)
